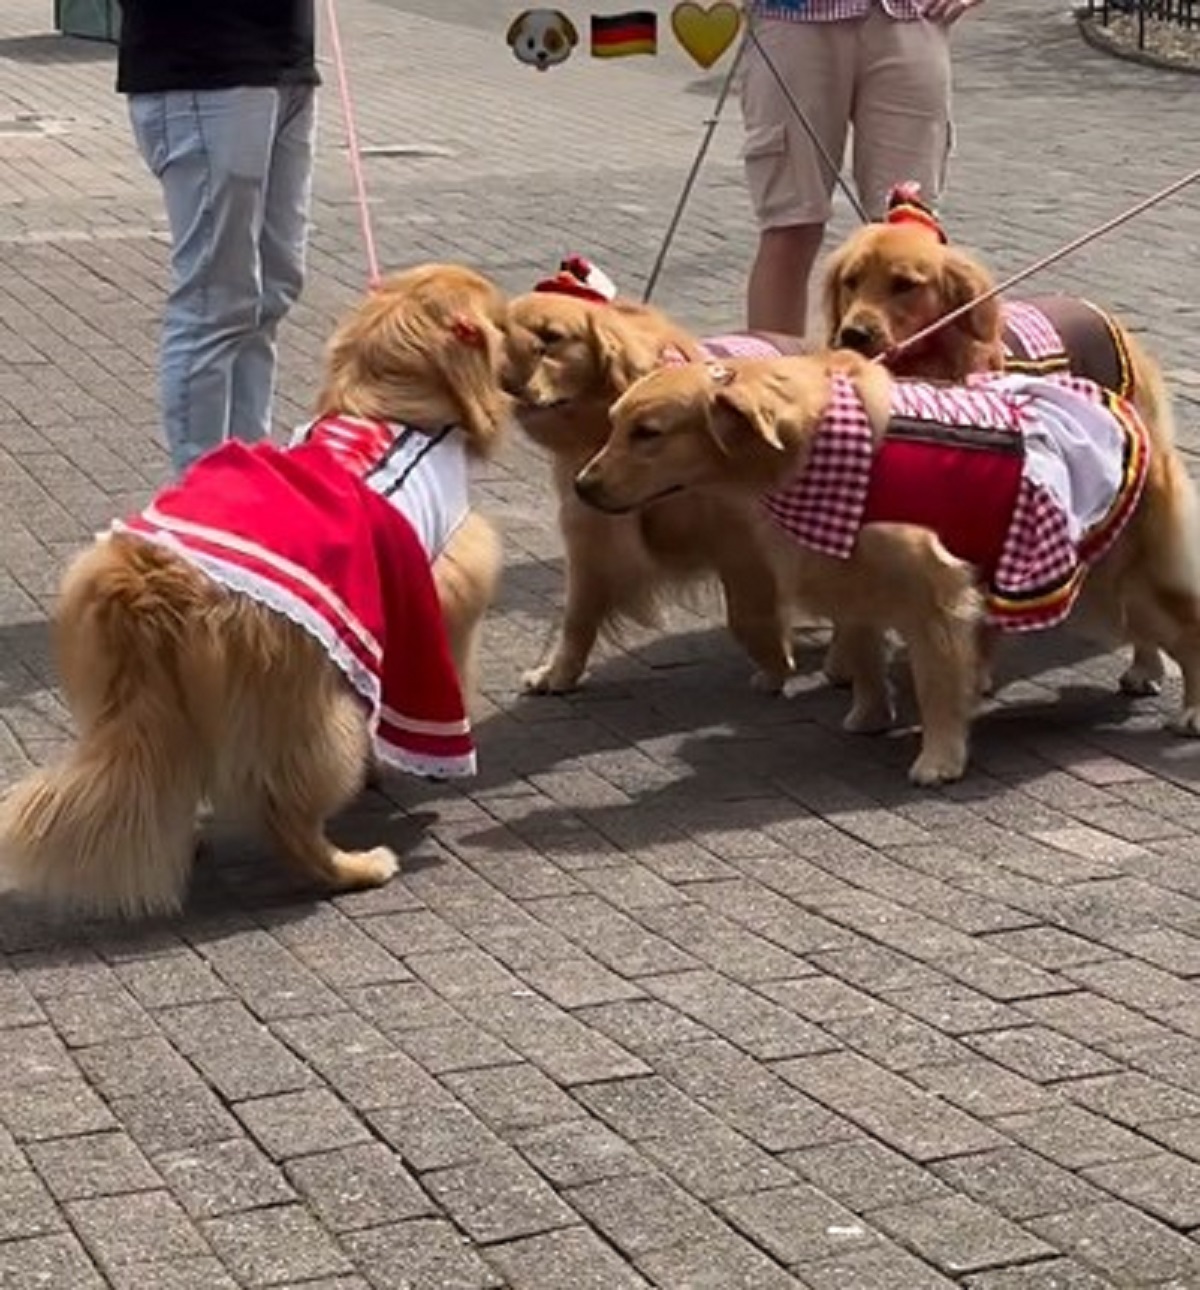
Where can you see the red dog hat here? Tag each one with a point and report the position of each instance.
(905, 206)
(579, 277)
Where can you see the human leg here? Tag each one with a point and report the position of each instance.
(209, 150)
(901, 119)
(789, 179)
(282, 248)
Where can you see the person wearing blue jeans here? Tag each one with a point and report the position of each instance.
(222, 100)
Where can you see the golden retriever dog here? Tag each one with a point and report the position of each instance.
(785, 431)
(893, 279)
(193, 678)
(570, 358)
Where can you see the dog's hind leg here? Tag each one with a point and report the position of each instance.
(1145, 672)
(307, 773)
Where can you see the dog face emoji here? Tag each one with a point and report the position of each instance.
(542, 38)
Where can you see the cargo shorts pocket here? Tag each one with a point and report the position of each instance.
(764, 142)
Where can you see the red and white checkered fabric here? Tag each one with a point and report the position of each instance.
(1033, 329)
(832, 10)
(739, 345)
(823, 506)
(1041, 565)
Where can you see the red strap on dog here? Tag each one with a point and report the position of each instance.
(905, 206)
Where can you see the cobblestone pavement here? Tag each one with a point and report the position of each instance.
(689, 989)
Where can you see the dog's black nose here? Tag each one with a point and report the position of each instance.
(587, 487)
(859, 339)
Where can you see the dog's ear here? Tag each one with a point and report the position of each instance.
(831, 294)
(469, 361)
(514, 27)
(622, 356)
(964, 280)
(568, 30)
(743, 405)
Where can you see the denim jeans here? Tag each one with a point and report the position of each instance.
(236, 172)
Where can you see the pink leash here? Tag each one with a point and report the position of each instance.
(352, 147)
(955, 314)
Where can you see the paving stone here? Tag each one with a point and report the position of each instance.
(578, 982)
(497, 1198)
(572, 1257)
(341, 953)
(897, 1112)
(35, 1055)
(401, 1006)
(1133, 1099)
(1052, 1274)
(1040, 1054)
(882, 1266)
(26, 1207)
(957, 1235)
(189, 1117)
(1049, 947)
(1089, 1018)
(715, 1161)
(54, 1109)
(1017, 1183)
(357, 1187)
(169, 980)
(92, 1019)
(726, 1262)
(235, 1053)
(644, 1212)
(1122, 1243)
(512, 1098)
(186, 1274)
(297, 1124)
(1182, 1136)
(143, 1227)
(797, 1224)
(270, 980)
(822, 999)
(760, 1027)
(101, 1164)
(1137, 985)
(984, 1088)
(1073, 1137)
(643, 1027)
(129, 1066)
(458, 1045)
(57, 1261)
(218, 1178)
(267, 1246)
(568, 1051)
(1163, 1185)
(619, 942)
(435, 1137)
(578, 1151)
(864, 1175)
(894, 1040)
(753, 1099)
(423, 1254)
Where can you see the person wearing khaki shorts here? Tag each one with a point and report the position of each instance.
(878, 70)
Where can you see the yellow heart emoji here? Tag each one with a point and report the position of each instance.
(706, 34)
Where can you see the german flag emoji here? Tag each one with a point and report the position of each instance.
(618, 35)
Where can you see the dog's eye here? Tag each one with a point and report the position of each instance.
(902, 282)
(644, 434)
(851, 281)
(550, 335)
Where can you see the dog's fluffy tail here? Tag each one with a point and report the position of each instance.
(109, 830)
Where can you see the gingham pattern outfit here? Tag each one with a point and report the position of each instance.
(832, 10)
(1041, 565)
(1033, 329)
(734, 345)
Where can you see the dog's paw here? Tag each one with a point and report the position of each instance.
(377, 866)
(769, 682)
(873, 717)
(548, 679)
(1138, 682)
(1186, 723)
(937, 767)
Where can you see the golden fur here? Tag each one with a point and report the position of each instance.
(569, 360)
(887, 282)
(183, 692)
(747, 429)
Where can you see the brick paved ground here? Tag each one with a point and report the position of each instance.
(689, 989)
